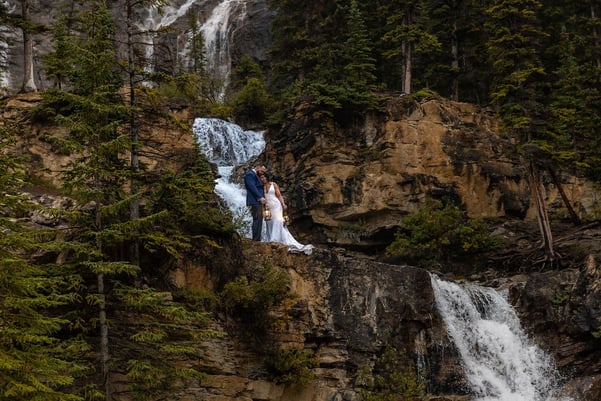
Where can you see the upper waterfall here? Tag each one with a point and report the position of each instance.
(501, 363)
(216, 32)
(227, 145)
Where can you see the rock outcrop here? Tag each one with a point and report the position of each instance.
(346, 310)
(350, 187)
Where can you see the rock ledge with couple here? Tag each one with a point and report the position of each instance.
(262, 193)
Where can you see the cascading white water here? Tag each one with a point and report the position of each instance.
(500, 362)
(228, 145)
(6, 33)
(216, 33)
(155, 21)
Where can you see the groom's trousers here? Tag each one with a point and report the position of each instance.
(257, 226)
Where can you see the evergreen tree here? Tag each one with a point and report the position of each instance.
(575, 105)
(57, 62)
(460, 70)
(407, 36)
(359, 69)
(102, 228)
(196, 46)
(135, 69)
(252, 103)
(518, 90)
(35, 363)
(28, 28)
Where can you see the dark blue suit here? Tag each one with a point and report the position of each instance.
(254, 193)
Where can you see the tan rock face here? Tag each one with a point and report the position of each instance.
(166, 145)
(354, 186)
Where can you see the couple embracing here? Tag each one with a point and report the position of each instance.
(262, 193)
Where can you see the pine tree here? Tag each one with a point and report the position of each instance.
(360, 66)
(27, 28)
(460, 70)
(252, 103)
(518, 91)
(35, 364)
(103, 227)
(407, 36)
(57, 63)
(575, 101)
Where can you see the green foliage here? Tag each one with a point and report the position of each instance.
(574, 107)
(250, 298)
(58, 63)
(193, 212)
(252, 103)
(35, 364)
(292, 366)
(159, 329)
(439, 232)
(391, 379)
(265, 288)
(519, 75)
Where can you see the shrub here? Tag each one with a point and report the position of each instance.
(249, 298)
(439, 232)
(390, 379)
(292, 365)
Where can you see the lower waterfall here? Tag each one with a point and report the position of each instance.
(500, 362)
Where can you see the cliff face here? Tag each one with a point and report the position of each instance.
(346, 310)
(350, 187)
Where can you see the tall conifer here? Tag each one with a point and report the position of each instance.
(35, 363)
(518, 91)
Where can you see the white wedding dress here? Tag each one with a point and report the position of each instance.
(276, 230)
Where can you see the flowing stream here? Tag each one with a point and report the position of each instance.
(228, 145)
(500, 362)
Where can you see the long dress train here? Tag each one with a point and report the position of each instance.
(276, 230)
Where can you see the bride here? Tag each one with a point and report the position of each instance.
(276, 227)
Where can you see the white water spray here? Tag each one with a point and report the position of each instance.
(500, 362)
(217, 32)
(6, 33)
(228, 145)
(154, 21)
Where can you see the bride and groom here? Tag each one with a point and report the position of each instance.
(262, 193)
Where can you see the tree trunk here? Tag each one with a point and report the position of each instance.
(536, 187)
(28, 76)
(104, 338)
(134, 137)
(407, 74)
(407, 54)
(455, 63)
(573, 215)
(597, 51)
(102, 323)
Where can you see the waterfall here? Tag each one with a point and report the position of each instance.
(155, 21)
(7, 34)
(228, 145)
(216, 33)
(500, 362)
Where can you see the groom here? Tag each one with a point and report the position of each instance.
(255, 198)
